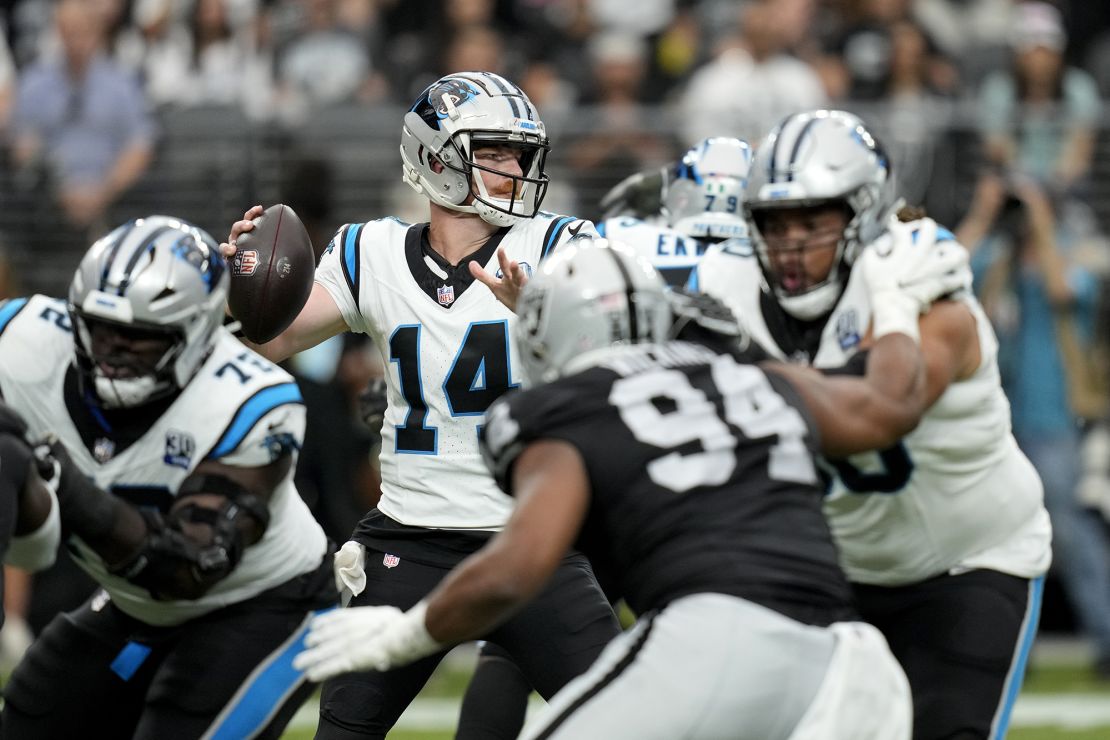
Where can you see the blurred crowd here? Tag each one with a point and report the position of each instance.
(990, 110)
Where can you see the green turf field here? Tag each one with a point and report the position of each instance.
(1061, 700)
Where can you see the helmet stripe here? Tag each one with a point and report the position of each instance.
(630, 296)
(506, 92)
(144, 248)
(115, 250)
(797, 147)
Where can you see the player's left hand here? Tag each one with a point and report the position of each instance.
(364, 638)
(506, 288)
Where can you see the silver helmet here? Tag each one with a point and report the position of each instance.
(591, 296)
(155, 277)
(704, 198)
(458, 114)
(814, 159)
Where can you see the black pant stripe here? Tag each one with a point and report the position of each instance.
(607, 679)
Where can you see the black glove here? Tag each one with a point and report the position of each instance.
(170, 564)
(372, 403)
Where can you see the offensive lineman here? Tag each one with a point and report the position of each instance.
(702, 204)
(688, 473)
(176, 449)
(943, 535)
(474, 145)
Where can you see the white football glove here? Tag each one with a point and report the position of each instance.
(906, 270)
(349, 568)
(364, 638)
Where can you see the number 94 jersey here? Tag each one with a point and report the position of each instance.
(702, 478)
(446, 343)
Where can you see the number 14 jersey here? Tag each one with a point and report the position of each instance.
(445, 341)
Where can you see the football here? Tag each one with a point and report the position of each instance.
(271, 274)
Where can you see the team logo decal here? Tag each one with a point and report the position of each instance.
(391, 561)
(246, 262)
(445, 294)
(457, 91)
(179, 449)
(847, 329)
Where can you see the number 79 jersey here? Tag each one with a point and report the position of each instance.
(446, 343)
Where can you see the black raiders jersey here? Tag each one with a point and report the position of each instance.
(702, 478)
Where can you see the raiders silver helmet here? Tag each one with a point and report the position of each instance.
(815, 159)
(591, 296)
(458, 114)
(156, 278)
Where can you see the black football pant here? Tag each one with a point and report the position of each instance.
(553, 639)
(96, 672)
(963, 642)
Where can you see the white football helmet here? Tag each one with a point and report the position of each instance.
(814, 159)
(157, 277)
(704, 198)
(458, 114)
(591, 296)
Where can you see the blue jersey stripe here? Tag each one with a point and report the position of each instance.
(267, 688)
(8, 311)
(553, 235)
(249, 414)
(350, 258)
(1017, 669)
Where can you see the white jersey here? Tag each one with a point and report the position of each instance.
(672, 253)
(447, 342)
(955, 494)
(239, 409)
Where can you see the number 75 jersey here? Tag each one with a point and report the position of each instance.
(446, 343)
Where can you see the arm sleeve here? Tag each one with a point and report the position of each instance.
(339, 272)
(37, 550)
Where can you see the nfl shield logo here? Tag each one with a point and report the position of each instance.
(445, 294)
(246, 262)
(391, 561)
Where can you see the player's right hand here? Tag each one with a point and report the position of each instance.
(227, 249)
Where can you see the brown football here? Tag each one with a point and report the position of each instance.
(271, 274)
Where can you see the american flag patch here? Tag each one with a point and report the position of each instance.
(445, 294)
(391, 561)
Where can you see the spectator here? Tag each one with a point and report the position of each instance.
(751, 84)
(1039, 117)
(325, 64)
(619, 138)
(1042, 305)
(82, 118)
(211, 59)
(7, 80)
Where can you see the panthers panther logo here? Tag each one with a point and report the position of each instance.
(457, 91)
